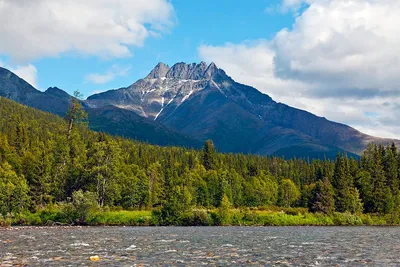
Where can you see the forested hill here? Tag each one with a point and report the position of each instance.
(44, 160)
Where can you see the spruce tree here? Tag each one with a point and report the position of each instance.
(381, 196)
(341, 184)
(209, 157)
(390, 165)
(346, 195)
(323, 197)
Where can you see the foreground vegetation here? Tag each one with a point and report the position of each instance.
(53, 216)
(56, 171)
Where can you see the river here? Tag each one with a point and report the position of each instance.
(197, 246)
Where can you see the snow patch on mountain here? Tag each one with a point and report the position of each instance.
(187, 96)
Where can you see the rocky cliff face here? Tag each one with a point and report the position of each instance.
(163, 90)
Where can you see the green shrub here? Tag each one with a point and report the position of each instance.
(195, 218)
(27, 218)
(129, 218)
(83, 202)
(5, 221)
(346, 219)
(224, 211)
(295, 211)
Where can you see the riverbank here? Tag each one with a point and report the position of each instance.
(196, 217)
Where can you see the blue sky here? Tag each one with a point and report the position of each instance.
(339, 59)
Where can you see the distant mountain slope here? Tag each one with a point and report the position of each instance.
(15, 88)
(204, 102)
(126, 123)
(112, 120)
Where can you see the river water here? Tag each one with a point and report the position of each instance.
(197, 246)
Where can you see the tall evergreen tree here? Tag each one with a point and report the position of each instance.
(391, 168)
(346, 195)
(209, 155)
(323, 197)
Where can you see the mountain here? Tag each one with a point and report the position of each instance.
(202, 101)
(126, 123)
(108, 119)
(187, 104)
(15, 88)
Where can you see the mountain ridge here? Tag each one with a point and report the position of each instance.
(180, 85)
(195, 102)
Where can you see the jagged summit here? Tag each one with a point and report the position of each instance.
(184, 71)
(159, 71)
(164, 89)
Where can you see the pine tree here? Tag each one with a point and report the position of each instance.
(156, 183)
(343, 182)
(323, 197)
(381, 195)
(365, 187)
(340, 183)
(209, 155)
(391, 168)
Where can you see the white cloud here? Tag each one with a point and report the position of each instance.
(34, 29)
(27, 72)
(114, 72)
(294, 5)
(341, 60)
(346, 43)
(251, 63)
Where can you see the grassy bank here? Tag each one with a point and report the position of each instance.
(197, 217)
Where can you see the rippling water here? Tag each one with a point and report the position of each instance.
(196, 246)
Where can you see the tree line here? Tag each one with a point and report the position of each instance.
(44, 159)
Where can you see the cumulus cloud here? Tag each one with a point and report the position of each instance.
(252, 63)
(343, 43)
(340, 59)
(27, 72)
(114, 72)
(41, 28)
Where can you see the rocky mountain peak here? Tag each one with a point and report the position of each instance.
(211, 70)
(159, 71)
(184, 71)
